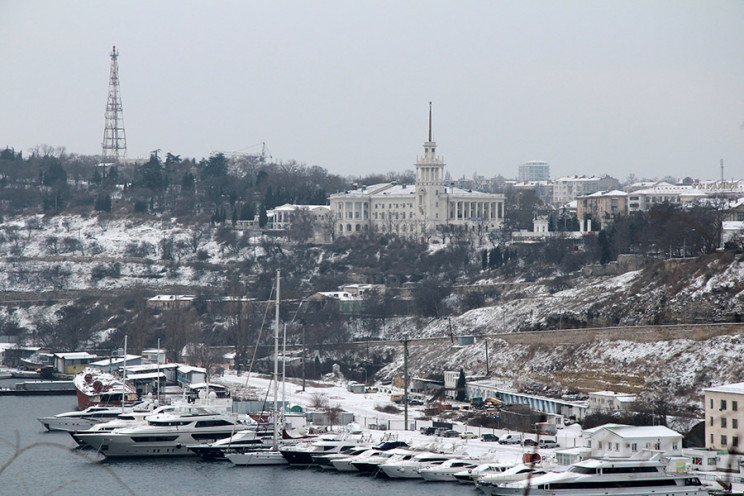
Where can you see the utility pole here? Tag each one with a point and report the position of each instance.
(304, 356)
(487, 370)
(405, 383)
(114, 138)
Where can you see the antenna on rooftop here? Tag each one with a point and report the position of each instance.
(722, 176)
(114, 137)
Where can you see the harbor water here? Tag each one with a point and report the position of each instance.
(36, 462)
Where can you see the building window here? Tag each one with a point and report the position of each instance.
(734, 423)
(734, 405)
(711, 422)
(674, 446)
(712, 441)
(599, 444)
(724, 440)
(734, 440)
(723, 422)
(723, 404)
(634, 447)
(711, 402)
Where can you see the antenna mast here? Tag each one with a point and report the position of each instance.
(114, 137)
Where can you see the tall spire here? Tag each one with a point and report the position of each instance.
(429, 122)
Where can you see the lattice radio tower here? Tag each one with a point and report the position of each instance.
(114, 137)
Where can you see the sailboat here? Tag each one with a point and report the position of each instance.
(270, 456)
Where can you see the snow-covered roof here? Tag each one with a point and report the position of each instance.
(166, 297)
(600, 194)
(340, 295)
(637, 432)
(75, 355)
(151, 366)
(187, 369)
(735, 388)
(114, 360)
(145, 376)
(612, 394)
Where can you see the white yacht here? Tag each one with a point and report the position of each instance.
(371, 464)
(82, 419)
(607, 477)
(408, 469)
(128, 419)
(445, 471)
(468, 476)
(520, 472)
(257, 457)
(302, 454)
(166, 434)
(342, 462)
(245, 440)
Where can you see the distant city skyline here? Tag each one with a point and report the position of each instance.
(651, 88)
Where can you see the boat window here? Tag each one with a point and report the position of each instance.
(212, 423)
(153, 439)
(583, 470)
(629, 470)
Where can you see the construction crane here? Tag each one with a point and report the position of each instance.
(262, 157)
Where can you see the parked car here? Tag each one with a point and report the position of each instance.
(529, 442)
(489, 438)
(511, 439)
(429, 431)
(549, 443)
(468, 435)
(450, 434)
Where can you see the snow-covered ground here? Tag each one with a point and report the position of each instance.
(363, 406)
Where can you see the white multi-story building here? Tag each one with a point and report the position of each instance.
(677, 194)
(317, 217)
(534, 171)
(724, 422)
(566, 189)
(610, 401)
(417, 210)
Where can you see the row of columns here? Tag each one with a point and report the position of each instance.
(462, 210)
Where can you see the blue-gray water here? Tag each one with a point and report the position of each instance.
(48, 465)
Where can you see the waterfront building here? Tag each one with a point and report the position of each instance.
(723, 417)
(610, 401)
(674, 194)
(420, 210)
(624, 441)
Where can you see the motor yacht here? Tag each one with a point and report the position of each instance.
(468, 476)
(166, 434)
(129, 419)
(245, 440)
(408, 469)
(445, 471)
(81, 420)
(302, 454)
(257, 457)
(371, 464)
(520, 472)
(607, 477)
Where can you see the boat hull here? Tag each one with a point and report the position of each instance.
(254, 458)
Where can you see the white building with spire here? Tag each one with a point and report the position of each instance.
(420, 210)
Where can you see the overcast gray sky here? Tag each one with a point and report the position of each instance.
(648, 87)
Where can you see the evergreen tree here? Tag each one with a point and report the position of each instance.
(484, 259)
(263, 219)
(462, 393)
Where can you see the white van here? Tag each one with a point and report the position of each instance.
(511, 439)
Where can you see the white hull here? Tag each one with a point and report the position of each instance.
(401, 471)
(252, 458)
(637, 491)
(437, 476)
(344, 465)
(68, 425)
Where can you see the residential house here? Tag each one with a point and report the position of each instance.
(624, 441)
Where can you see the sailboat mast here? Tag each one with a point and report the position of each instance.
(284, 374)
(124, 375)
(276, 363)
